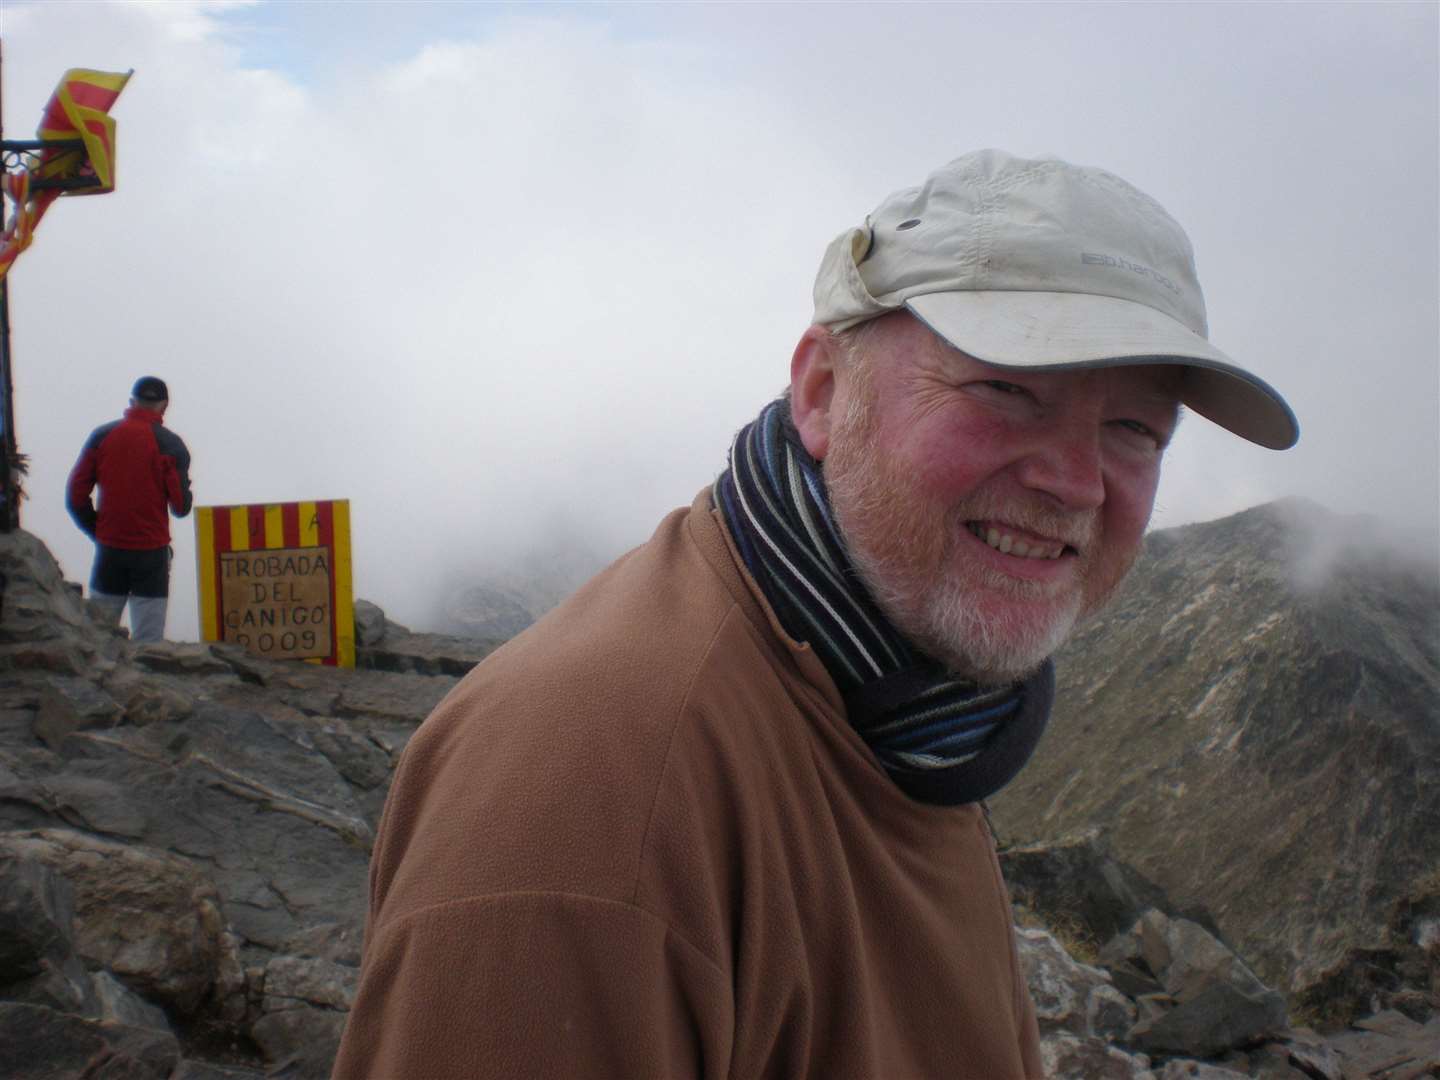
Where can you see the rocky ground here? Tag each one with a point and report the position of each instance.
(185, 829)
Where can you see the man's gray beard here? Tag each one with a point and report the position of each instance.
(940, 616)
(944, 623)
(888, 542)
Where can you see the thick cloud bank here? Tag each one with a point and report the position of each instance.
(502, 278)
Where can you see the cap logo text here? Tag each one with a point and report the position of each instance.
(1121, 263)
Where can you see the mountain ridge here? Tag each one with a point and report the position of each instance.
(1245, 712)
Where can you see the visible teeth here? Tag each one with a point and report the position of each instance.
(1007, 544)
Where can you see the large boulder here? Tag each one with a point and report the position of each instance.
(1218, 1018)
(40, 606)
(1211, 1001)
(37, 910)
(1070, 996)
(1074, 881)
(39, 1043)
(147, 916)
(38, 962)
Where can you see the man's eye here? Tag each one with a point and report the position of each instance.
(1005, 387)
(1142, 430)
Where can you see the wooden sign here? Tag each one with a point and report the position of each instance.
(275, 578)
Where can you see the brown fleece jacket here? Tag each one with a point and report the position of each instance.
(640, 840)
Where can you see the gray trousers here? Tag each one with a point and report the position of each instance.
(147, 613)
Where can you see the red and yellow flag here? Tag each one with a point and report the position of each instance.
(79, 109)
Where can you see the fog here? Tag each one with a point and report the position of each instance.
(509, 278)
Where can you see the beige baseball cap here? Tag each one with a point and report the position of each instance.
(1044, 264)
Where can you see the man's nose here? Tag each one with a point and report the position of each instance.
(1066, 463)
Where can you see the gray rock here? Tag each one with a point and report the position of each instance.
(38, 961)
(38, 1043)
(54, 657)
(250, 667)
(1211, 1002)
(338, 942)
(37, 914)
(1310, 1055)
(369, 624)
(1124, 957)
(96, 803)
(1109, 1013)
(1197, 1070)
(152, 702)
(63, 984)
(355, 757)
(145, 915)
(71, 704)
(1150, 1007)
(208, 815)
(425, 654)
(1188, 959)
(1268, 1062)
(407, 698)
(299, 1043)
(39, 603)
(1070, 996)
(1220, 1017)
(242, 795)
(181, 658)
(16, 725)
(1073, 1057)
(120, 1005)
(1073, 879)
(190, 1069)
(1389, 1041)
(308, 980)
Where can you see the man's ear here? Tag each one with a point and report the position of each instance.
(813, 371)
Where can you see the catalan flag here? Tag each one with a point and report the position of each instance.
(79, 109)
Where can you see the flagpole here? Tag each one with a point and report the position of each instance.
(9, 459)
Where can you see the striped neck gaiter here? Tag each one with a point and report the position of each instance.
(942, 739)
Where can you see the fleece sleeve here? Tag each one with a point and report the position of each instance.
(175, 471)
(536, 985)
(78, 489)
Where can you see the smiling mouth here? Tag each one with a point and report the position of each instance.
(1026, 547)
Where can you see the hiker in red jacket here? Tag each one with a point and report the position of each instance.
(142, 468)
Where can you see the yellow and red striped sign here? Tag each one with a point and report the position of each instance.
(276, 578)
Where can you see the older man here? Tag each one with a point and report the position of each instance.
(718, 815)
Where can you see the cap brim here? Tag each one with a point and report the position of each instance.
(1059, 330)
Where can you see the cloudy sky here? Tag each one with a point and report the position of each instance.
(510, 276)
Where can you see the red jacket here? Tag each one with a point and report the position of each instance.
(142, 467)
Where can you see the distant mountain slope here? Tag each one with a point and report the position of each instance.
(1255, 725)
(498, 601)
